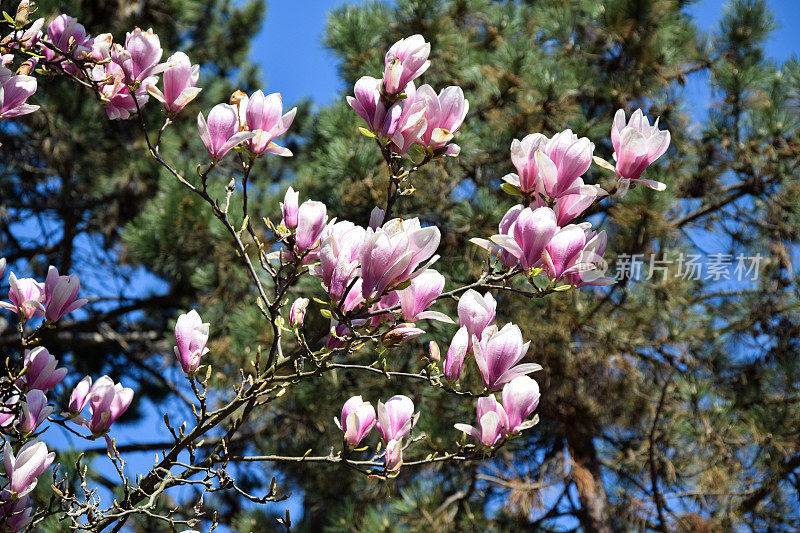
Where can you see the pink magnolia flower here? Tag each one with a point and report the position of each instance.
(140, 56)
(411, 123)
(444, 114)
(311, 219)
(455, 354)
(28, 38)
(221, 133)
(107, 402)
(390, 254)
(16, 513)
(297, 314)
(476, 313)
(14, 91)
(554, 165)
(67, 35)
(636, 145)
(358, 419)
(394, 455)
(80, 396)
(569, 206)
(338, 257)
(506, 227)
(498, 352)
(370, 106)
(420, 295)
(396, 417)
(575, 252)
(118, 101)
(42, 372)
(265, 118)
(520, 399)
(289, 208)
(191, 336)
(405, 61)
(530, 233)
(492, 421)
(27, 297)
(28, 464)
(34, 411)
(61, 295)
(180, 83)
(401, 333)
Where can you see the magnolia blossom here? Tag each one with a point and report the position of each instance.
(405, 61)
(80, 396)
(27, 297)
(390, 254)
(497, 353)
(476, 313)
(358, 419)
(107, 402)
(297, 314)
(396, 417)
(338, 257)
(370, 106)
(140, 56)
(636, 145)
(180, 83)
(67, 35)
(420, 295)
(14, 91)
(492, 422)
(221, 133)
(28, 464)
(61, 294)
(311, 219)
(456, 353)
(34, 411)
(41, 370)
(520, 399)
(9, 406)
(411, 123)
(289, 208)
(444, 114)
(574, 252)
(264, 117)
(549, 166)
(529, 234)
(571, 205)
(118, 101)
(191, 336)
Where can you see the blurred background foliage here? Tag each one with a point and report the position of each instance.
(667, 404)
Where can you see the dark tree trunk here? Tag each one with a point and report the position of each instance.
(589, 483)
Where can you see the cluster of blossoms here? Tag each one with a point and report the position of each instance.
(24, 408)
(395, 420)
(378, 279)
(400, 113)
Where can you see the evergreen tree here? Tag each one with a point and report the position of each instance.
(666, 403)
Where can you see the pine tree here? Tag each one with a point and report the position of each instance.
(667, 403)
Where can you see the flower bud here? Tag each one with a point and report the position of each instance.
(311, 219)
(23, 9)
(396, 417)
(191, 336)
(400, 333)
(358, 419)
(289, 208)
(433, 352)
(297, 314)
(394, 455)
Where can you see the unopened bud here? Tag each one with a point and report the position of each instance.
(434, 355)
(298, 312)
(400, 333)
(236, 97)
(22, 13)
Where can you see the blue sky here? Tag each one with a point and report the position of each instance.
(295, 63)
